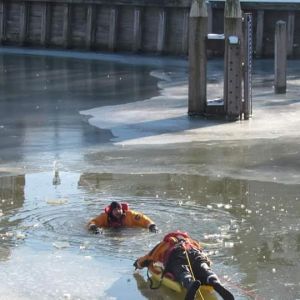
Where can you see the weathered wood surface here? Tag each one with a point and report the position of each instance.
(197, 98)
(280, 57)
(155, 26)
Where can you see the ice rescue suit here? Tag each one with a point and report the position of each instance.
(130, 218)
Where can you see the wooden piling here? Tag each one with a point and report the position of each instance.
(137, 29)
(197, 57)
(185, 32)
(112, 36)
(161, 36)
(23, 22)
(66, 25)
(3, 22)
(45, 23)
(280, 57)
(290, 33)
(90, 27)
(233, 28)
(259, 33)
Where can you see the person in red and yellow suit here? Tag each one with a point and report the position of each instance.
(184, 258)
(118, 215)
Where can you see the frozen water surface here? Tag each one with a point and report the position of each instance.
(79, 130)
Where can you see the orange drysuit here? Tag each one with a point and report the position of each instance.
(130, 218)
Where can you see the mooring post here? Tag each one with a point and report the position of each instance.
(198, 29)
(233, 59)
(280, 52)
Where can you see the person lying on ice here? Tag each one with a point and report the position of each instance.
(118, 215)
(184, 258)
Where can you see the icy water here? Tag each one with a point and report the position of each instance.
(77, 133)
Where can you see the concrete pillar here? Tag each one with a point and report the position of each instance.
(197, 57)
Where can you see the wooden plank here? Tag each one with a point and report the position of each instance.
(290, 33)
(24, 7)
(113, 22)
(161, 35)
(90, 26)
(259, 33)
(45, 24)
(280, 57)
(66, 25)
(137, 29)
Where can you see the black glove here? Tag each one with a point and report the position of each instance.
(152, 228)
(146, 263)
(94, 228)
(135, 264)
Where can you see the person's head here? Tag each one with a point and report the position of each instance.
(116, 210)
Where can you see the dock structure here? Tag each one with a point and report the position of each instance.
(144, 26)
(237, 53)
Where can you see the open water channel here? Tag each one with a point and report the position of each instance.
(78, 131)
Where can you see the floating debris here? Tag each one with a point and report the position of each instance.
(59, 201)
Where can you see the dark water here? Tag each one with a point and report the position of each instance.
(57, 171)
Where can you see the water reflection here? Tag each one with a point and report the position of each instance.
(11, 199)
(41, 98)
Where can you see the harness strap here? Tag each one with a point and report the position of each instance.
(151, 281)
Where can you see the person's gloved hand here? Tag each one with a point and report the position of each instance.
(135, 264)
(94, 228)
(153, 228)
(146, 263)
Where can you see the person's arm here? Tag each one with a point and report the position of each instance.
(140, 220)
(98, 222)
(152, 256)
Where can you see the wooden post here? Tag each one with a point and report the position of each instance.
(66, 26)
(3, 22)
(280, 57)
(45, 23)
(233, 28)
(137, 30)
(197, 57)
(210, 18)
(112, 37)
(234, 82)
(90, 27)
(185, 32)
(290, 33)
(161, 36)
(23, 22)
(259, 33)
